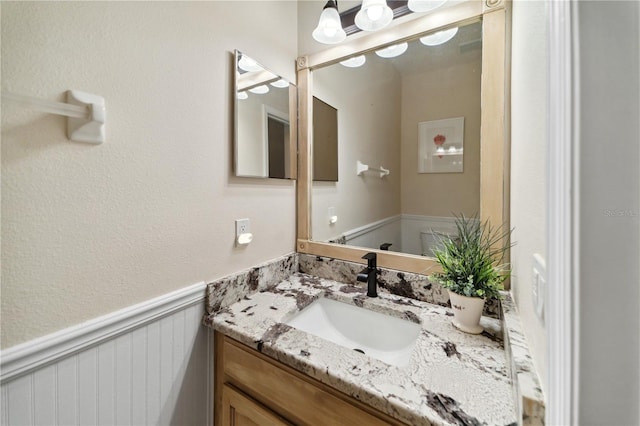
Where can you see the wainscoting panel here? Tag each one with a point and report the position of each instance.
(153, 373)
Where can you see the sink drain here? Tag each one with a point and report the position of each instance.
(359, 350)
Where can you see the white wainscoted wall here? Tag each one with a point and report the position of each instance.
(149, 364)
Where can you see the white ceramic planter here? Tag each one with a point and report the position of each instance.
(467, 312)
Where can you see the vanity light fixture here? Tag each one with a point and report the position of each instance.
(393, 51)
(371, 15)
(260, 90)
(355, 62)
(280, 83)
(374, 15)
(440, 37)
(329, 29)
(424, 5)
(242, 95)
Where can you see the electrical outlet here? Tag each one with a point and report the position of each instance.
(242, 227)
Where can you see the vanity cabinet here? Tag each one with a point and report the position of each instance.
(253, 389)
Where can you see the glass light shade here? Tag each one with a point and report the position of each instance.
(354, 62)
(373, 15)
(260, 90)
(249, 65)
(392, 51)
(329, 29)
(424, 5)
(280, 83)
(242, 95)
(440, 37)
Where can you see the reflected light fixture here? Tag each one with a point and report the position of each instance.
(329, 29)
(260, 90)
(374, 15)
(242, 95)
(393, 51)
(424, 5)
(280, 83)
(440, 37)
(249, 65)
(355, 62)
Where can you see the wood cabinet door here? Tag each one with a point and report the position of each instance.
(240, 410)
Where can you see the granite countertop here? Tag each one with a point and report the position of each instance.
(452, 377)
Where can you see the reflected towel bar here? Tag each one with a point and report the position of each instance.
(361, 168)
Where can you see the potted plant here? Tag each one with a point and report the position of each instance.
(472, 268)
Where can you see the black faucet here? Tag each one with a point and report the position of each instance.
(370, 275)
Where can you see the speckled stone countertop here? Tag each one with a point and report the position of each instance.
(452, 377)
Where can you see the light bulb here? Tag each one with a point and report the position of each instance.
(440, 37)
(374, 12)
(329, 29)
(392, 51)
(247, 64)
(260, 90)
(354, 62)
(280, 83)
(452, 149)
(373, 15)
(242, 95)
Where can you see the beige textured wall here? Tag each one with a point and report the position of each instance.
(368, 130)
(450, 92)
(87, 230)
(528, 163)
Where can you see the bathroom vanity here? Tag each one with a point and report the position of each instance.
(270, 372)
(252, 387)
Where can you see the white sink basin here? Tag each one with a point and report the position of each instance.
(380, 336)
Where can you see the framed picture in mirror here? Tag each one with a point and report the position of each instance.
(441, 146)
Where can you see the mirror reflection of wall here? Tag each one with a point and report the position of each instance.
(382, 104)
(263, 138)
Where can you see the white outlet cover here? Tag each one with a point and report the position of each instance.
(243, 226)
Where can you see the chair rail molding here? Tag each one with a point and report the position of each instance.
(25, 357)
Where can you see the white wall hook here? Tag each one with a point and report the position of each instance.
(90, 129)
(361, 168)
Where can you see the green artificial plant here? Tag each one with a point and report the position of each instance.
(472, 261)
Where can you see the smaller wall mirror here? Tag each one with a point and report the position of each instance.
(264, 133)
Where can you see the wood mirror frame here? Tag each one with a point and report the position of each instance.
(494, 146)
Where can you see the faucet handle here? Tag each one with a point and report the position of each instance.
(369, 256)
(371, 260)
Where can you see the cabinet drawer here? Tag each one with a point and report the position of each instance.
(294, 396)
(240, 410)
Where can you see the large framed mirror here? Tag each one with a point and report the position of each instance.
(265, 135)
(397, 114)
